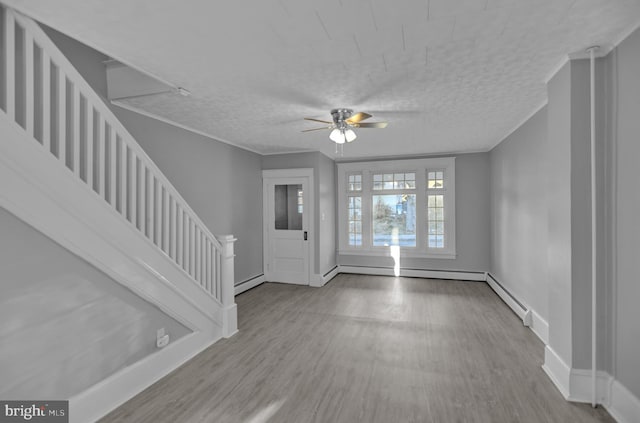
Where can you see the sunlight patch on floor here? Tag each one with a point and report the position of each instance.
(266, 413)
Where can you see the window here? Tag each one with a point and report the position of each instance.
(355, 182)
(354, 203)
(435, 209)
(408, 204)
(382, 181)
(435, 179)
(355, 221)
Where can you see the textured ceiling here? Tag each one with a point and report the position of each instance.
(448, 75)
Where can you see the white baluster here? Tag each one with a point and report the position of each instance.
(101, 160)
(150, 206)
(10, 59)
(218, 280)
(166, 216)
(133, 188)
(62, 116)
(173, 244)
(89, 140)
(29, 88)
(209, 251)
(142, 196)
(180, 237)
(46, 100)
(113, 166)
(192, 249)
(75, 118)
(198, 269)
(203, 260)
(187, 244)
(122, 172)
(158, 214)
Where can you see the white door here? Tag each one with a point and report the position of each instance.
(287, 212)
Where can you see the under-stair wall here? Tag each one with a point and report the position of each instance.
(70, 169)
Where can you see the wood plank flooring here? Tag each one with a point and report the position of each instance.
(365, 349)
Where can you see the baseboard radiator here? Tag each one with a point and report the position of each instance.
(523, 312)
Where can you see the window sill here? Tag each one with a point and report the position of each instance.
(386, 252)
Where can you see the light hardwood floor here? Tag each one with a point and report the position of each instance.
(365, 349)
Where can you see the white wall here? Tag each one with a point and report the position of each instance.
(65, 325)
(519, 190)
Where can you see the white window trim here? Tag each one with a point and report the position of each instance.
(420, 167)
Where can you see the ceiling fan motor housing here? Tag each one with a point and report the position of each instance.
(339, 115)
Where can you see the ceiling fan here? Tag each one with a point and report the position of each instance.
(343, 123)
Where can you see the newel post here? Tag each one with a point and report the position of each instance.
(229, 310)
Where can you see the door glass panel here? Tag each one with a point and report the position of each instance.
(288, 207)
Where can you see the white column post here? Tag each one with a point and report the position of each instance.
(227, 297)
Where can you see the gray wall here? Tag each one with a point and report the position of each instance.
(86, 60)
(65, 325)
(324, 199)
(220, 182)
(519, 187)
(558, 181)
(327, 213)
(624, 64)
(473, 236)
(569, 214)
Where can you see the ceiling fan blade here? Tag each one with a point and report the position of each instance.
(358, 117)
(316, 129)
(318, 120)
(371, 125)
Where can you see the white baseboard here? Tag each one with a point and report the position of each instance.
(230, 320)
(581, 386)
(622, 404)
(415, 273)
(318, 280)
(539, 326)
(248, 284)
(576, 384)
(103, 397)
(558, 371)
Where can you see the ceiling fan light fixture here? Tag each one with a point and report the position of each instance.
(350, 135)
(338, 136)
(344, 121)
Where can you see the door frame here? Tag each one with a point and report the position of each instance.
(272, 175)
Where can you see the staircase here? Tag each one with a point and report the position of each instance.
(70, 169)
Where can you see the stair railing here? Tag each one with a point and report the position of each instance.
(45, 95)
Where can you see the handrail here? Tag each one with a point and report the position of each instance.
(48, 98)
